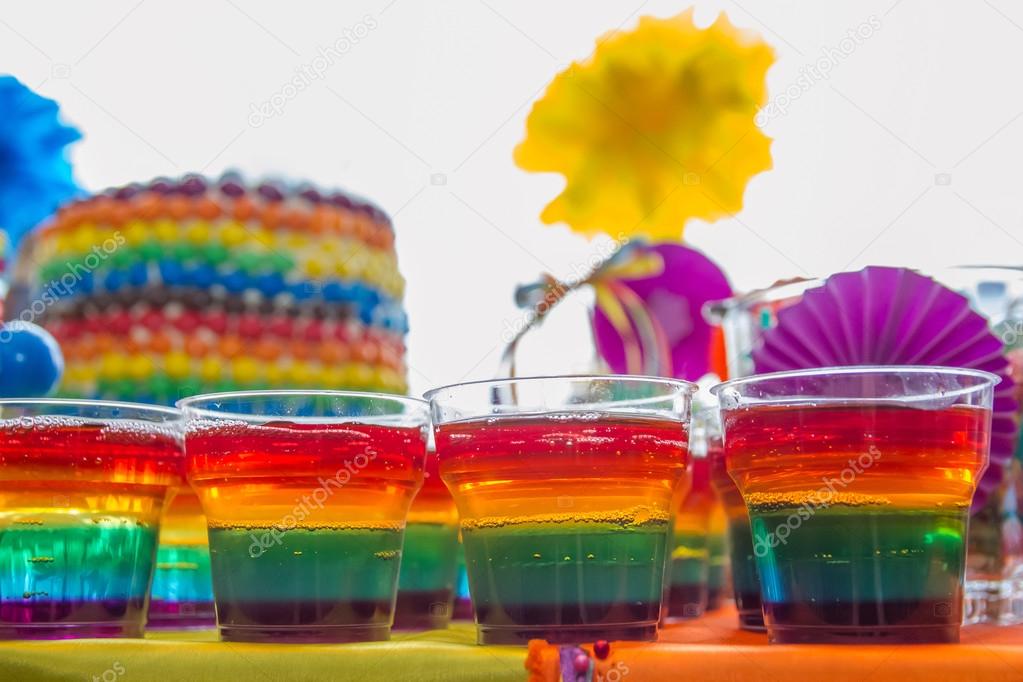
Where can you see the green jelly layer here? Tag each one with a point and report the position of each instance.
(266, 565)
(716, 576)
(547, 564)
(429, 559)
(859, 554)
(717, 551)
(689, 571)
(744, 563)
(99, 558)
(689, 559)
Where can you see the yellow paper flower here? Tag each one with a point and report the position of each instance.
(655, 128)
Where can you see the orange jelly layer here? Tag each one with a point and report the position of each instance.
(287, 474)
(55, 464)
(855, 454)
(433, 503)
(727, 492)
(693, 512)
(562, 468)
(183, 521)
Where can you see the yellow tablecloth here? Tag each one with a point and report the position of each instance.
(441, 656)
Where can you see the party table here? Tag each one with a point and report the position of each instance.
(709, 650)
(440, 655)
(712, 649)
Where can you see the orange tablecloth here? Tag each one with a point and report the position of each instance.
(712, 649)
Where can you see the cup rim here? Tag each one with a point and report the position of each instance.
(190, 402)
(688, 388)
(771, 292)
(990, 380)
(84, 402)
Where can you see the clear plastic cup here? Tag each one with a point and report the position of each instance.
(564, 488)
(82, 488)
(306, 495)
(858, 483)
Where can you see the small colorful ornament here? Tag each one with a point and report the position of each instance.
(576, 665)
(31, 363)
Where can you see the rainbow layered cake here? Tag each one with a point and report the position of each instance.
(175, 287)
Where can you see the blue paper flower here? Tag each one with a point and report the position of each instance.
(35, 175)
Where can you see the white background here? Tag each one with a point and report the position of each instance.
(907, 154)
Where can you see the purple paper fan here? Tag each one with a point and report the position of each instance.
(894, 316)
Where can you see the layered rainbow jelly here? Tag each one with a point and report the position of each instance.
(859, 516)
(686, 592)
(182, 592)
(717, 556)
(80, 505)
(306, 523)
(745, 580)
(565, 519)
(429, 559)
